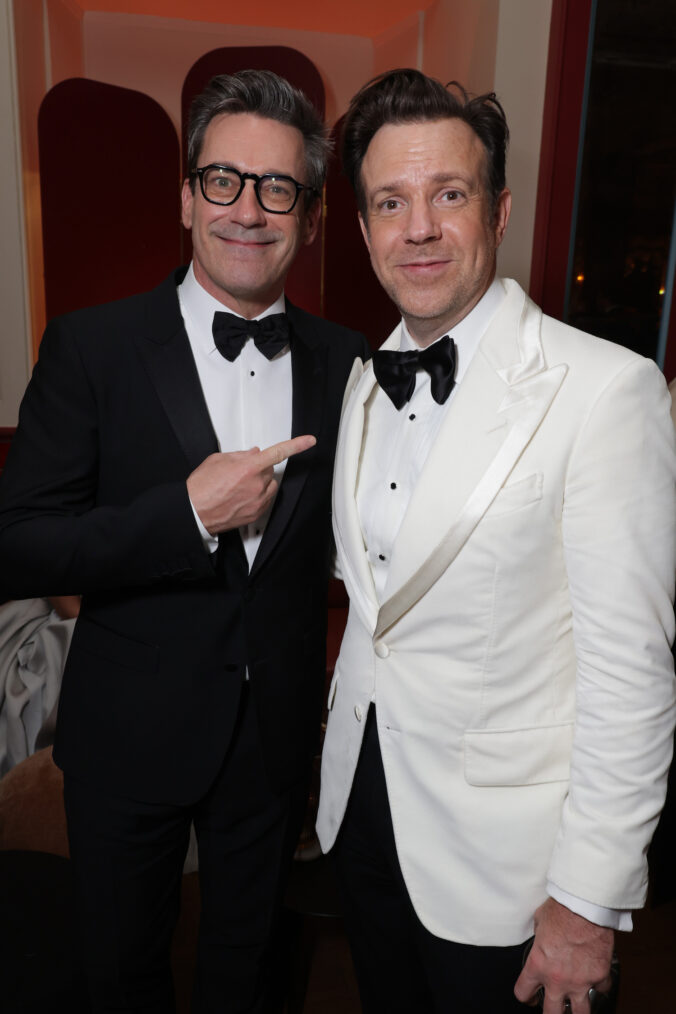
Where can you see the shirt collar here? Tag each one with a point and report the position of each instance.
(469, 331)
(200, 306)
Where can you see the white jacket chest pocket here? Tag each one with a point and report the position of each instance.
(515, 496)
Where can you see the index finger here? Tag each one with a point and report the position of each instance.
(277, 453)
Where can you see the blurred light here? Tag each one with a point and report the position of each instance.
(579, 278)
(661, 291)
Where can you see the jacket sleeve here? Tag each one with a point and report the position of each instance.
(619, 533)
(56, 537)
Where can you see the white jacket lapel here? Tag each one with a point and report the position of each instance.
(503, 397)
(354, 566)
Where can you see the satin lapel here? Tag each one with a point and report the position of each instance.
(168, 359)
(308, 373)
(502, 400)
(346, 525)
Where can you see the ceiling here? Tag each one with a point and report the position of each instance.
(349, 17)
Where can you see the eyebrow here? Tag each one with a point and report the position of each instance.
(268, 172)
(449, 177)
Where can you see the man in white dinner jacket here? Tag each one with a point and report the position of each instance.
(502, 709)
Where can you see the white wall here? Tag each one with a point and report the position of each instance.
(460, 42)
(153, 55)
(520, 75)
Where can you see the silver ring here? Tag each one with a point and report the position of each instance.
(592, 994)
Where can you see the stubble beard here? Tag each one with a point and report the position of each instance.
(427, 324)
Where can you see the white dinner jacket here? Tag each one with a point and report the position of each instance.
(520, 659)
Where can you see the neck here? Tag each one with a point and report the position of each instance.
(248, 305)
(426, 330)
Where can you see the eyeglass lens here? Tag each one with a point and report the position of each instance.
(222, 186)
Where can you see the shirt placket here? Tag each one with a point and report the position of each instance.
(397, 481)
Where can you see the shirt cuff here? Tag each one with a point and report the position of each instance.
(210, 541)
(613, 918)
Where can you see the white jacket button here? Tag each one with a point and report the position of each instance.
(381, 649)
(357, 712)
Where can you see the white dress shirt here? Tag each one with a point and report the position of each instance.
(249, 401)
(396, 444)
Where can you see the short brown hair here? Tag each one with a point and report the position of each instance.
(408, 96)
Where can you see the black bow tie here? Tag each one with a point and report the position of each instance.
(395, 371)
(270, 335)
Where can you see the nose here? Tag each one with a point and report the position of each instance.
(422, 224)
(246, 210)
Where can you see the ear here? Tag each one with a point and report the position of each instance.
(187, 201)
(364, 231)
(502, 215)
(312, 218)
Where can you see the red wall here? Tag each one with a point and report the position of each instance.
(109, 181)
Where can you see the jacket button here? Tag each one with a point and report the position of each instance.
(357, 712)
(381, 649)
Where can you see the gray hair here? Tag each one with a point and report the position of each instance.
(268, 95)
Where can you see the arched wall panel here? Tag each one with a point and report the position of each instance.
(352, 293)
(109, 183)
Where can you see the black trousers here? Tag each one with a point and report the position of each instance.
(401, 967)
(127, 862)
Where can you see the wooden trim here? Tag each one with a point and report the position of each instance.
(564, 97)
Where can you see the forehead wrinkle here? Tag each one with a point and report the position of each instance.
(255, 136)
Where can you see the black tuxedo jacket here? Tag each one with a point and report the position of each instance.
(93, 500)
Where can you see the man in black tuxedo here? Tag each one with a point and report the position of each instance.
(194, 683)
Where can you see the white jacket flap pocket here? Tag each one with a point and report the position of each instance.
(516, 495)
(518, 756)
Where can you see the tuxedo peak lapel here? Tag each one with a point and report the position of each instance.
(308, 371)
(166, 354)
(163, 312)
(517, 344)
(346, 524)
(308, 367)
(352, 381)
(497, 408)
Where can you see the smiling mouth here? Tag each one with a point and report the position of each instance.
(423, 265)
(246, 242)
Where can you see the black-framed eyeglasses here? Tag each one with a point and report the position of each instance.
(221, 184)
